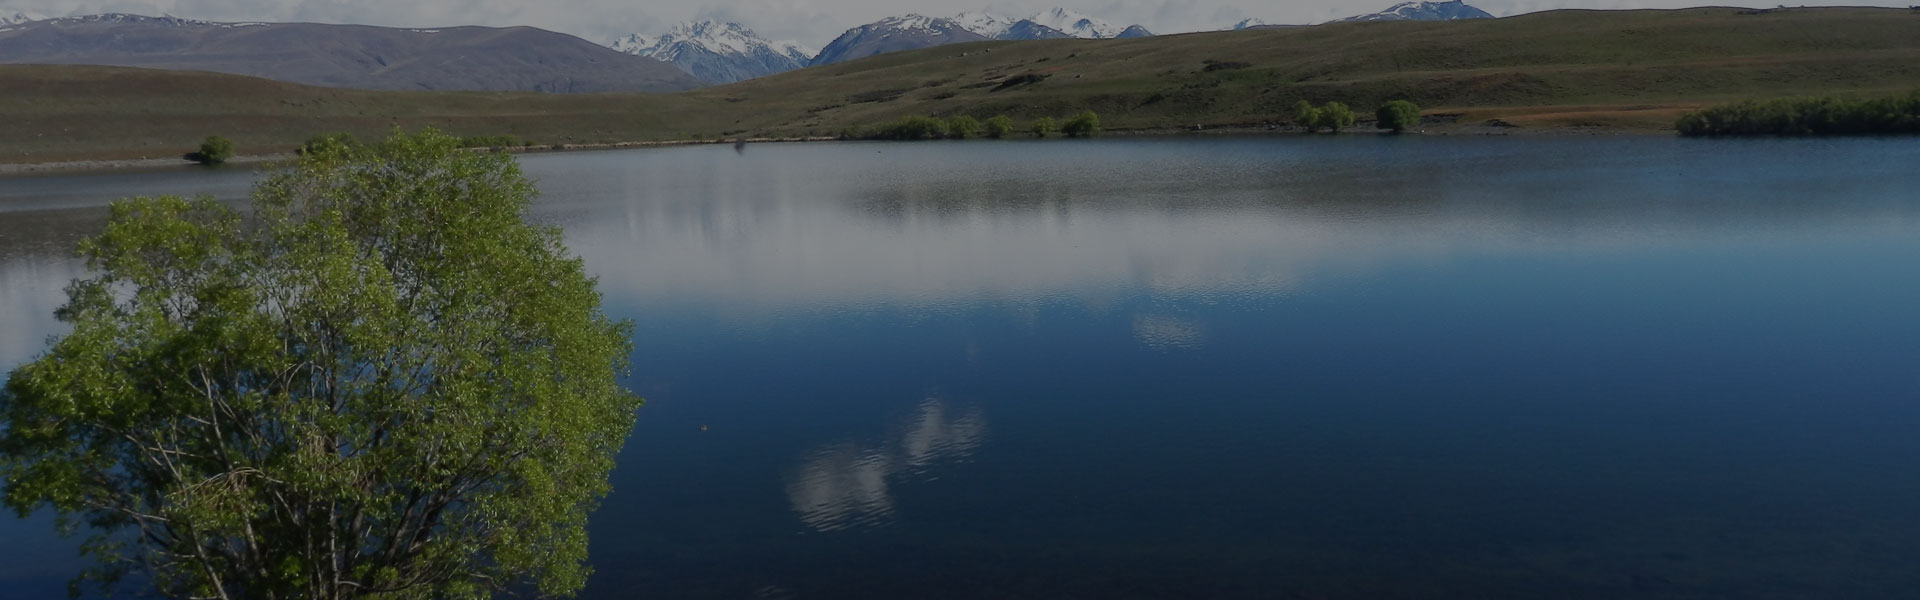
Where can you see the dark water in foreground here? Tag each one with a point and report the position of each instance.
(1260, 368)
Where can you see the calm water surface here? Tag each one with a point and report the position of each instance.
(1255, 368)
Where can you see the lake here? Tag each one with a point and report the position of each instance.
(1289, 367)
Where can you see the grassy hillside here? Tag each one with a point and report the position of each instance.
(1622, 70)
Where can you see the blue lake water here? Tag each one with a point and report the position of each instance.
(1358, 367)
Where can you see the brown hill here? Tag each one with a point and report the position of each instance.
(350, 56)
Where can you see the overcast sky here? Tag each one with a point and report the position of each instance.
(812, 22)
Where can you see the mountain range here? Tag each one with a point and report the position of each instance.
(522, 58)
(349, 56)
(918, 31)
(716, 52)
(1452, 10)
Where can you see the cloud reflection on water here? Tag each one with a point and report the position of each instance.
(848, 485)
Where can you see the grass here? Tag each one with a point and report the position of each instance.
(1612, 70)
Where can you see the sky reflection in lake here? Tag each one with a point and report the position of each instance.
(1355, 367)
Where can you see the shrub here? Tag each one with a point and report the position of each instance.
(1397, 115)
(1305, 115)
(1336, 116)
(1806, 116)
(328, 142)
(213, 150)
(999, 126)
(1086, 124)
(912, 128)
(962, 127)
(1042, 127)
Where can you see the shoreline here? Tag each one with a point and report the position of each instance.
(1442, 128)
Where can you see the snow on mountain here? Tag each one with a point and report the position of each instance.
(717, 52)
(797, 51)
(986, 24)
(1076, 24)
(893, 34)
(1051, 24)
(1425, 11)
(10, 16)
(1248, 24)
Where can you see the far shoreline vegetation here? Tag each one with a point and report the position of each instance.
(1811, 116)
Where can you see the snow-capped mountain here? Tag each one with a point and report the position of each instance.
(10, 16)
(717, 52)
(1056, 23)
(988, 25)
(894, 34)
(1076, 24)
(918, 31)
(1425, 11)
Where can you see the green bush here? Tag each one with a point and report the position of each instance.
(912, 128)
(1397, 116)
(999, 126)
(1042, 127)
(963, 127)
(1336, 116)
(213, 150)
(1086, 124)
(1806, 116)
(328, 142)
(1305, 115)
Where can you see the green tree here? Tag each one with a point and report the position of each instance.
(1336, 116)
(1086, 124)
(213, 150)
(1397, 115)
(913, 128)
(383, 383)
(963, 127)
(1306, 116)
(999, 126)
(1042, 127)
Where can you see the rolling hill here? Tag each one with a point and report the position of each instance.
(1582, 70)
(349, 56)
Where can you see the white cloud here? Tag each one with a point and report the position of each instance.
(811, 21)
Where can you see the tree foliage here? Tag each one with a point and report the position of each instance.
(328, 142)
(213, 150)
(962, 127)
(1042, 127)
(1336, 116)
(383, 383)
(1807, 116)
(1085, 124)
(999, 126)
(1397, 116)
(912, 128)
(1305, 115)
(1332, 115)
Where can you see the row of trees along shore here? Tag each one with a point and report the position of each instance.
(1085, 124)
(1396, 116)
(1806, 116)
